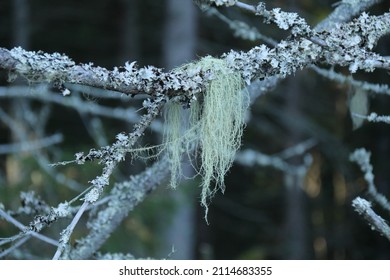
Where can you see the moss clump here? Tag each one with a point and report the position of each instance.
(214, 128)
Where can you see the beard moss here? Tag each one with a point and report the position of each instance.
(213, 129)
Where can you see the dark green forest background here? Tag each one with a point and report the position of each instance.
(259, 216)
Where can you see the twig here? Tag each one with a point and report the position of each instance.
(45, 95)
(298, 149)
(125, 196)
(65, 235)
(19, 243)
(31, 145)
(22, 238)
(246, 7)
(363, 207)
(340, 78)
(250, 158)
(373, 117)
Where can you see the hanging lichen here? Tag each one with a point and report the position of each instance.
(215, 127)
(172, 139)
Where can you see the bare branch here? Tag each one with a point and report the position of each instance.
(246, 7)
(45, 95)
(250, 158)
(17, 244)
(31, 145)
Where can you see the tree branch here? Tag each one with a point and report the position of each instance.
(31, 145)
(349, 45)
(125, 196)
(344, 12)
(363, 207)
(362, 158)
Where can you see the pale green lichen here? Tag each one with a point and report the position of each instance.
(215, 126)
(173, 140)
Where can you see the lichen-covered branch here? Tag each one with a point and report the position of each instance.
(22, 227)
(344, 12)
(284, 20)
(347, 45)
(363, 207)
(66, 233)
(362, 158)
(109, 156)
(374, 117)
(125, 196)
(128, 79)
(332, 42)
(349, 80)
